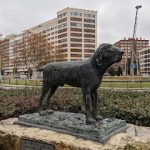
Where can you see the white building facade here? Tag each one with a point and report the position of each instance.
(73, 34)
(144, 60)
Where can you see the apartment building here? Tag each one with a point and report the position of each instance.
(127, 45)
(144, 61)
(16, 63)
(48, 31)
(77, 33)
(4, 54)
(71, 36)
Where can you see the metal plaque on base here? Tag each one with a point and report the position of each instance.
(29, 144)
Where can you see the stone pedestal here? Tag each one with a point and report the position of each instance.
(12, 136)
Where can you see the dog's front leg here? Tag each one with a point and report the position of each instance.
(87, 101)
(94, 105)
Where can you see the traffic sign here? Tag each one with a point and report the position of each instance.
(133, 66)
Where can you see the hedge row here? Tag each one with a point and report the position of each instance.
(16, 102)
(132, 106)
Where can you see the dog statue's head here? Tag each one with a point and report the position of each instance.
(107, 53)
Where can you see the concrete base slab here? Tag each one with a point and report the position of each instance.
(74, 124)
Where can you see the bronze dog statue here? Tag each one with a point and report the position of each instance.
(86, 74)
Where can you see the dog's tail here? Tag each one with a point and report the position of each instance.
(41, 68)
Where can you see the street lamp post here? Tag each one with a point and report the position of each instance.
(133, 51)
(0, 61)
(0, 68)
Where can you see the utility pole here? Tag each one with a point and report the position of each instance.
(133, 50)
(0, 67)
(0, 61)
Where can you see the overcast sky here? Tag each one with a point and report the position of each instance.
(115, 17)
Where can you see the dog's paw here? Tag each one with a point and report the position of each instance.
(90, 120)
(43, 113)
(98, 118)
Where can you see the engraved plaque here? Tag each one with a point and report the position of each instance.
(28, 144)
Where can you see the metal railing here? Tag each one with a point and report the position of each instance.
(107, 82)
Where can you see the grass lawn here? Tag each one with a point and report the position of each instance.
(125, 84)
(22, 82)
(107, 82)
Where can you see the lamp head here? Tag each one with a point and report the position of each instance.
(138, 6)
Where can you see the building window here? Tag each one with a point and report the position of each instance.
(89, 25)
(76, 34)
(76, 14)
(62, 50)
(75, 45)
(89, 50)
(62, 20)
(75, 19)
(89, 30)
(87, 55)
(62, 25)
(76, 24)
(62, 40)
(76, 29)
(75, 40)
(89, 40)
(89, 15)
(89, 20)
(62, 35)
(64, 14)
(76, 55)
(59, 16)
(62, 30)
(62, 45)
(89, 46)
(76, 50)
(44, 31)
(62, 57)
(89, 35)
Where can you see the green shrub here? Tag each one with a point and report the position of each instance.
(16, 102)
(132, 106)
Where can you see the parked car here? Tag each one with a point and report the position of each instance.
(23, 76)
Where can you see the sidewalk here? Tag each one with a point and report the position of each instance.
(8, 86)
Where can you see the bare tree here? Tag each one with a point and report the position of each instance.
(4, 59)
(36, 51)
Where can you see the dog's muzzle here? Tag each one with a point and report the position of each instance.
(119, 56)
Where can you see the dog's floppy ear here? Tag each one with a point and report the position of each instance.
(99, 59)
(100, 55)
(105, 46)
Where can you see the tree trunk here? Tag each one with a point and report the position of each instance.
(34, 75)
